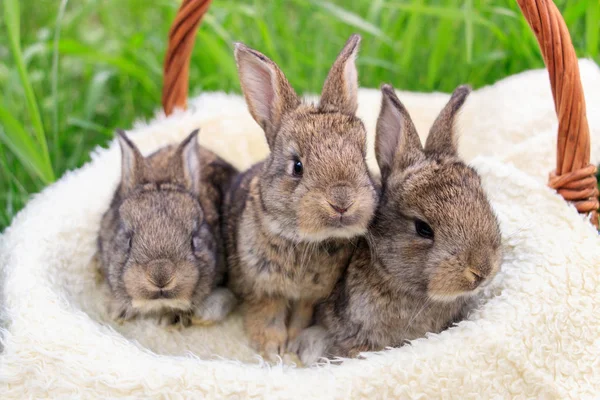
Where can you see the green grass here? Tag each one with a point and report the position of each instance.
(71, 72)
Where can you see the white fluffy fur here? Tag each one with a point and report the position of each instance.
(536, 336)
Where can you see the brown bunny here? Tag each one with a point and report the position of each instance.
(434, 242)
(290, 218)
(160, 244)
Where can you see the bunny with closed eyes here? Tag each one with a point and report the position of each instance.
(433, 244)
(290, 219)
(160, 245)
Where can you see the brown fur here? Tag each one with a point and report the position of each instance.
(400, 285)
(163, 230)
(286, 243)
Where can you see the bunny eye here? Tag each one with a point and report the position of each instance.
(129, 240)
(423, 229)
(297, 169)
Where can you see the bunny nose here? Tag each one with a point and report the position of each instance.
(160, 273)
(340, 198)
(339, 209)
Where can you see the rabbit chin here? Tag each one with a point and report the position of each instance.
(450, 297)
(297, 234)
(145, 306)
(345, 232)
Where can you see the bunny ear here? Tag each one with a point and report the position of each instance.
(187, 159)
(442, 137)
(132, 163)
(397, 144)
(267, 91)
(340, 90)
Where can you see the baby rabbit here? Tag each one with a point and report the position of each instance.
(160, 245)
(290, 218)
(434, 242)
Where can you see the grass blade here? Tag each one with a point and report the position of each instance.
(432, 11)
(352, 19)
(377, 62)
(127, 67)
(374, 10)
(12, 21)
(267, 38)
(409, 37)
(592, 28)
(18, 185)
(219, 54)
(439, 53)
(95, 92)
(468, 10)
(22, 145)
(90, 126)
(221, 32)
(54, 78)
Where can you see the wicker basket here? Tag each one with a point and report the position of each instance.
(574, 177)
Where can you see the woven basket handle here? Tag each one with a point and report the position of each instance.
(179, 51)
(574, 177)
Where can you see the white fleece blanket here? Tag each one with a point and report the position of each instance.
(535, 336)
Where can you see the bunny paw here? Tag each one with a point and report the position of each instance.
(215, 308)
(311, 345)
(270, 342)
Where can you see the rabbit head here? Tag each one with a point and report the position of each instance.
(159, 250)
(315, 183)
(435, 231)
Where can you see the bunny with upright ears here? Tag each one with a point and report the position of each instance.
(433, 244)
(291, 218)
(160, 245)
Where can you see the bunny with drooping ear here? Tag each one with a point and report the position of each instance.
(160, 245)
(433, 244)
(290, 219)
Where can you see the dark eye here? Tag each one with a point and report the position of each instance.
(297, 168)
(423, 229)
(129, 240)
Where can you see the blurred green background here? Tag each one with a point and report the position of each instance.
(72, 71)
